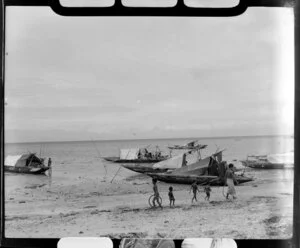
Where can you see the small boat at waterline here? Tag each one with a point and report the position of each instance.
(25, 163)
(274, 161)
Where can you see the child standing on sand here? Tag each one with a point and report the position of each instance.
(194, 187)
(171, 196)
(207, 190)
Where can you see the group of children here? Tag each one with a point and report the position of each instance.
(194, 188)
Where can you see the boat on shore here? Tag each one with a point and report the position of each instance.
(168, 165)
(200, 179)
(137, 155)
(25, 164)
(275, 161)
(138, 161)
(207, 171)
(144, 168)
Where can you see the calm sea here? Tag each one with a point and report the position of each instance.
(83, 159)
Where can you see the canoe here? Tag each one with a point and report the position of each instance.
(262, 165)
(187, 147)
(189, 179)
(26, 170)
(144, 169)
(27, 163)
(148, 160)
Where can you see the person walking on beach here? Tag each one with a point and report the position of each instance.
(194, 188)
(49, 166)
(156, 194)
(49, 162)
(171, 196)
(230, 180)
(207, 190)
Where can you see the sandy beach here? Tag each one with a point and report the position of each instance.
(264, 209)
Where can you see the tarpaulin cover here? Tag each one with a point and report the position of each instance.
(129, 154)
(12, 160)
(17, 160)
(22, 160)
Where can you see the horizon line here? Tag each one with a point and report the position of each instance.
(126, 139)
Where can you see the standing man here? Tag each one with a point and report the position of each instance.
(49, 166)
(156, 194)
(230, 180)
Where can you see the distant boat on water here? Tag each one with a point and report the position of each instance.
(25, 163)
(137, 155)
(193, 145)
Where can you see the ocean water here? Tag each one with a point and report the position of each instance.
(73, 160)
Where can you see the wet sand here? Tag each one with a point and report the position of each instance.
(263, 210)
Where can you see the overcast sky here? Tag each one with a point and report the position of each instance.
(78, 78)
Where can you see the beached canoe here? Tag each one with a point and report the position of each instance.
(189, 179)
(139, 161)
(144, 168)
(26, 170)
(25, 164)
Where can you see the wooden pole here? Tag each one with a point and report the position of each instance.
(115, 174)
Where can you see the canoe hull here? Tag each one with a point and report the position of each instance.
(138, 161)
(263, 165)
(26, 170)
(197, 147)
(189, 179)
(144, 169)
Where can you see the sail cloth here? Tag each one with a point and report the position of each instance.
(177, 161)
(192, 157)
(171, 163)
(129, 154)
(218, 156)
(198, 168)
